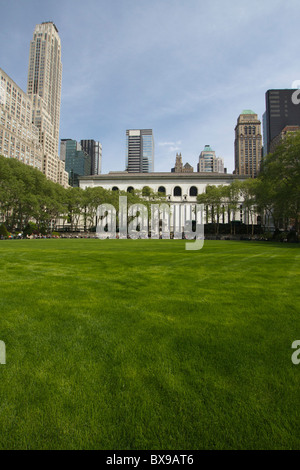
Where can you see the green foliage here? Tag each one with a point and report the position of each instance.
(3, 231)
(280, 236)
(26, 194)
(275, 193)
(292, 237)
(30, 228)
(31, 203)
(279, 192)
(267, 236)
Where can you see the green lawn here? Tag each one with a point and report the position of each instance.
(122, 344)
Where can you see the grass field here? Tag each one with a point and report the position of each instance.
(121, 344)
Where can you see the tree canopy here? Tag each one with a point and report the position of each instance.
(279, 192)
(274, 194)
(27, 196)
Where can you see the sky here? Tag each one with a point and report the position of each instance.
(184, 68)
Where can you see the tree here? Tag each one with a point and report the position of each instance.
(232, 197)
(281, 175)
(25, 194)
(3, 231)
(248, 192)
(73, 203)
(213, 199)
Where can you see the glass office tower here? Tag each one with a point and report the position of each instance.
(281, 111)
(77, 161)
(94, 149)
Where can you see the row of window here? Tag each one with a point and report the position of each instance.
(177, 192)
(249, 130)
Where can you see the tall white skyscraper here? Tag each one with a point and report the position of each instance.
(44, 87)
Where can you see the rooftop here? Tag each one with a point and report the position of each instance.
(198, 176)
(51, 22)
(208, 148)
(248, 111)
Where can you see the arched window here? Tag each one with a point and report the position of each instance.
(130, 189)
(177, 191)
(162, 189)
(115, 188)
(193, 191)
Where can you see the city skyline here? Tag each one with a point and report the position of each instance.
(185, 72)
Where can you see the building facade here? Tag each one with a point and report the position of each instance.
(77, 162)
(209, 163)
(178, 187)
(248, 144)
(281, 111)
(181, 190)
(44, 89)
(19, 138)
(139, 151)
(94, 149)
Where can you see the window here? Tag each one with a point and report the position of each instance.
(177, 191)
(162, 189)
(193, 191)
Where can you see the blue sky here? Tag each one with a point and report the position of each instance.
(184, 68)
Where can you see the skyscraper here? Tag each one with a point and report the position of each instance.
(44, 88)
(247, 144)
(139, 151)
(209, 163)
(281, 111)
(94, 149)
(77, 161)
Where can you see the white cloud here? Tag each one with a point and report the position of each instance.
(169, 144)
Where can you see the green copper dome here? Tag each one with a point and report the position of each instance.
(248, 111)
(207, 148)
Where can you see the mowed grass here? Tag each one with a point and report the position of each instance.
(122, 344)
